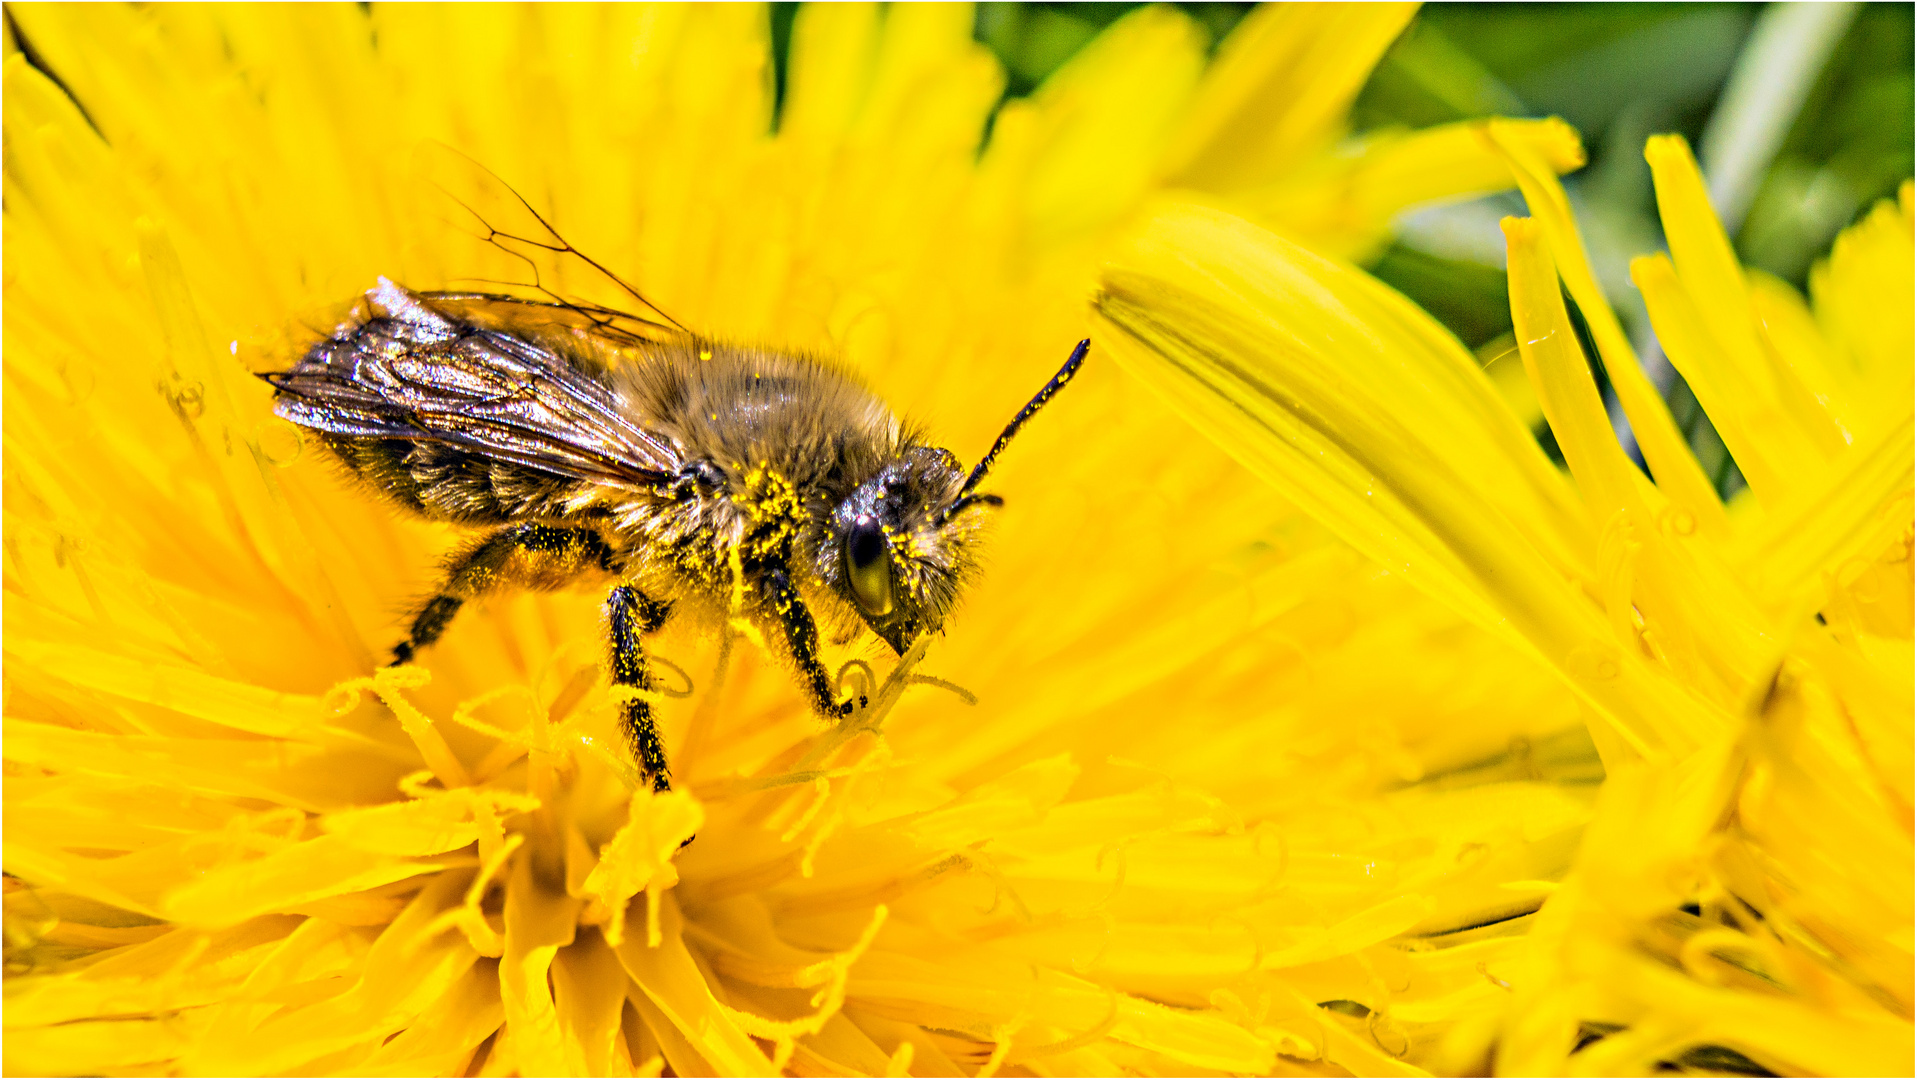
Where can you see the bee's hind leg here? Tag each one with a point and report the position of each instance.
(632, 615)
(529, 555)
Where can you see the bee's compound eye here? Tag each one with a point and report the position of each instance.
(868, 568)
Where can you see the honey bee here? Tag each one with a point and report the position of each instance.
(722, 480)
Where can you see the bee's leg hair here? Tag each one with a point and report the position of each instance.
(530, 556)
(802, 638)
(632, 615)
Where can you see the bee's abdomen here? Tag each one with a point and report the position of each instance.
(380, 463)
(450, 484)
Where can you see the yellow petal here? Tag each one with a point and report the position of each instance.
(1095, 129)
(538, 923)
(673, 985)
(1759, 439)
(1453, 161)
(1345, 204)
(1788, 327)
(1279, 88)
(400, 978)
(1664, 447)
(1559, 374)
(1858, 511)
(446, 1035)
(832, 59)
(589, 994)
(1762, 382)
(1864, 306)
(1254, 340)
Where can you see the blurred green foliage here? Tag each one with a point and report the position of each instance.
(1850, 146)
(1586, 63)
(1468, 297)
(1620, 72)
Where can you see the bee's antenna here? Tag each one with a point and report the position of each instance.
(965, 496)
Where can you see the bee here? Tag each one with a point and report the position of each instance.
(703, 477)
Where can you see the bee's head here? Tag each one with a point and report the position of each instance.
(892, 556)
(902, 544)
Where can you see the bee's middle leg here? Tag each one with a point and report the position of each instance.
(529, 555)
(632, 615)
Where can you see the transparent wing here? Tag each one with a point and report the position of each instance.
(580, 337)
(411, 370)
(532, 260)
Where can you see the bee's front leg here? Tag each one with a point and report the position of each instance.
(802, 638)
(632, 615)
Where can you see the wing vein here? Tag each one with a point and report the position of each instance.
(410, 371)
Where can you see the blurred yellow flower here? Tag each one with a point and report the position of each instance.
(1743, 893)
(1230, 798)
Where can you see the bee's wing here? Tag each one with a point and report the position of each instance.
(525, 255)
(411, 372)
(585, 337)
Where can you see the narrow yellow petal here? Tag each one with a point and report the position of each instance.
(589, 993)
(1255, 341)
(1650, 587)
(674, 985)
(401, 977)
(1664, 447)
(1346, 204)
(539, 922)
(1277, 437)
(1102, 127)
(1456, 161)
(1862, 296)
(1280, 87)
(1853, 514)
(1787, 326)
(240, 706)
(437, 822)
(100, 1047)
(1708, 267)
(933, 86)
(831, 68)
(1699, 247)
(293, 876)
(1561, 377)
(1756, 436)
(280, 773)
(445, 1036)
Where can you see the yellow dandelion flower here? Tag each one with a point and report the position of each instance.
(1197, 788)
(1743, 891)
